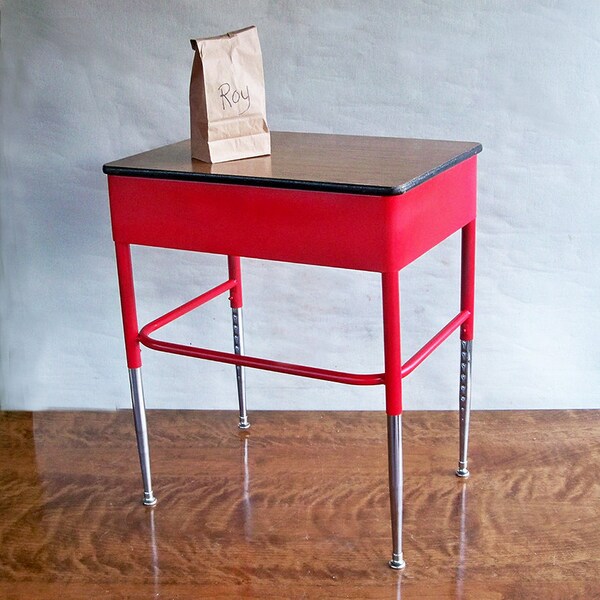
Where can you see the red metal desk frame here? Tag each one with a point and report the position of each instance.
(372, 204)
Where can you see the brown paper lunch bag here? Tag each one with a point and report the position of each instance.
(227, 98)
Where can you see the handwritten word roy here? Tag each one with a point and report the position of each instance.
(236, 98)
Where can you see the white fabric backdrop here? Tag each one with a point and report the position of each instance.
(88, 81)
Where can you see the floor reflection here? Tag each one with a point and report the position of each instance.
(246, 503)
(399, 587)
(462, 540)
(154, 551)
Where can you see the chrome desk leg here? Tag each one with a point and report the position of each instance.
(141, 432)
(238, 348)
(394, 424)
(464, 405)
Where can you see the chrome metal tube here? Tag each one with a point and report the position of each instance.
(141, 432)
(394, 427)
(238, 348)
(464, 405)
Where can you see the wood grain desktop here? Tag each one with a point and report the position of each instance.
(311, 161)
(297, 507)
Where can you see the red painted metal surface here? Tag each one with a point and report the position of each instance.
(128, 309)
(235, 272)
(261, 363)
(373, 233)
(391, 340)
(467, 280)
(390, 291)
(187, 307)
(418, 357)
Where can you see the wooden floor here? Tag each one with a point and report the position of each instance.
(298, 507)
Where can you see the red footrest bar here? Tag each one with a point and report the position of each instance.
(281, 367)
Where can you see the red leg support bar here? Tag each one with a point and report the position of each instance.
(128, 310)
(467, 281)
(390, 287)
(235, 273)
